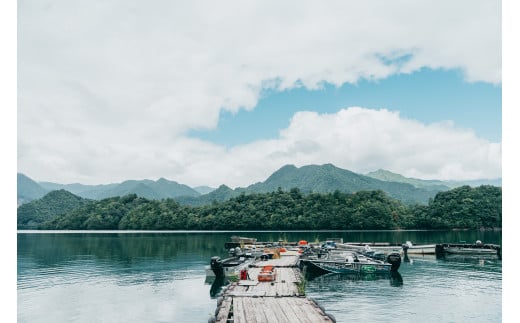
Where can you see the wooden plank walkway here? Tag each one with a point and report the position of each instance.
(279, 301)
(277, 310)
(283, 261)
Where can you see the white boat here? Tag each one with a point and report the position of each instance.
(468, 251)
(347, 263)
(477, 248)
(421, 249)
(386, 247)
(227, 267)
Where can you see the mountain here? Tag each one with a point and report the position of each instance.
(94, 192)
(53, 204)
(388, 176)
(319, 179)
(475, 183)
(149, 189)
(173, 189)
(311, 178)
(85, 191)
(28, 190)
(329, 178)
(155, 190)
(222, 193)
(437, 185)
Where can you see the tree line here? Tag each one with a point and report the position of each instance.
(464, 207)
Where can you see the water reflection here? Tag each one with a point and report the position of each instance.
(159, 277)
(216, 285)
(461, 262)
(473, 259)
(396, 279)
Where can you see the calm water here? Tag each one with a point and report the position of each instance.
(159, 277)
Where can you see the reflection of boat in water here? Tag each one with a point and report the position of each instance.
(346, 263)
(216, 285)
(227, 267)
(480, 259)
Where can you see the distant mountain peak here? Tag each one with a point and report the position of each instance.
(223, 187)
(384, 174)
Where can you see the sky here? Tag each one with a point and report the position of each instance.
(227, 92)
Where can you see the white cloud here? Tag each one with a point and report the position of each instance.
(364, 140)
(357, 139)
(107, 90)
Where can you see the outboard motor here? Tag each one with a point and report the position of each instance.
(217, 267)
(405, 247)
(439, 251)
(394, 258)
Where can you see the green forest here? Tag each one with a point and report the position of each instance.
(463, 208)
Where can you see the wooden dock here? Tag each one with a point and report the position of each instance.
(279, 301)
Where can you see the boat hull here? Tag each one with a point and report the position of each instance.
(325, 266)
(469, 251)
(227, 267)
(428, 249)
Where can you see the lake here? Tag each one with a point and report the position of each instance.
(160, 277)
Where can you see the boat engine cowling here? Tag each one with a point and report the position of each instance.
(394, 258)
(217, 267)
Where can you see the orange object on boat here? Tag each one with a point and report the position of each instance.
(283, 249)
(302, 242)
(267, 274)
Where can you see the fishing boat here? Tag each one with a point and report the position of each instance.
(477, 248)
(421, 249)
(386, 247)
(237, 241)
(247, 251)
(346, 263)
(227, 267)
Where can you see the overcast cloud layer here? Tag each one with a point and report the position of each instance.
(108, 90)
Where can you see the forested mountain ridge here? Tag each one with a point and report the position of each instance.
(53, 204)
(329, 178)
(433, 184)
(387, 176)
(221, 194)
(316, 179)
(464, 208)
(160, 189)
(27, 189)
(311, 178)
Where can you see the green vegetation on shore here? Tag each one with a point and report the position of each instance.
(463, 207)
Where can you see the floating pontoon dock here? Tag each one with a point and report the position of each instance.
(279, 301)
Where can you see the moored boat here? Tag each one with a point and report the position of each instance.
(237, 241)
(477, 248)
(347, 263)
(227, 267)
(386, 247)
(422, 249)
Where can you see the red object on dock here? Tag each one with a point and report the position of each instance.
(243, 274)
